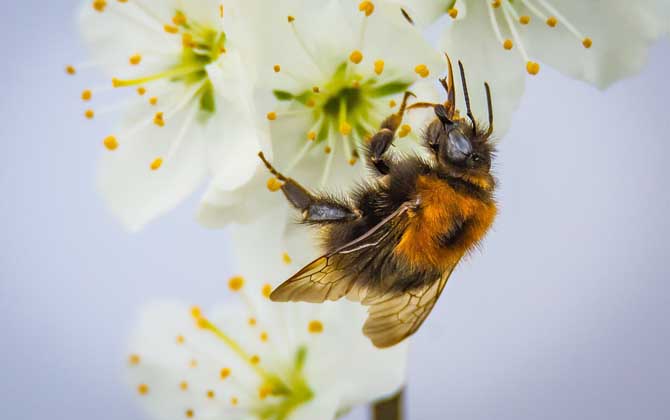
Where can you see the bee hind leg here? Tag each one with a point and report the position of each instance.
(314, 209)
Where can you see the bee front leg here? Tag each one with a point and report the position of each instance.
(314, 209)
(383, 139)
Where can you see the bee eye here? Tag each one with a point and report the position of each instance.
(475, 158)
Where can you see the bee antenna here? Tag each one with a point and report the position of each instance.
(467, 97)
(489, 102)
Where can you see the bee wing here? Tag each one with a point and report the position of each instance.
(395, 316)
(327, 277)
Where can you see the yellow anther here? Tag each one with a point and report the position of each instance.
(234, 401)
(508, 44)
(210, 394)
(367, 7)
(587, 42)
(353, 160)
(190, 413)
(264, 392)
(221, 10)
(156, 164)
(551, 21)
(356, 56)
(252, 322)
(290, 19)
(122, 1)
(86, 95)
(404, 131)
(70, 70)
(392, 103)
(267, 290)
(193, 363)
(202, 323)
(345, 128)
(274, 184)
(524, 20)
(264, 336)
(180, 339)
(255, 359)
(310, 103)
(236, 283)
(99, 5)
(286, 258)
(453, 13)
(187, 40)
(327, 150)
(179, 18)
(141, 91)
(379, 67)
(277, 68)
(316, 89)
(311, 136)
(159, 119)
(532, 68)
(170, 29)
(183, 385)
(495, 4)
(315, 327)
(135, 59)
(153, 100)
(143, 389)
(422, 70)
(272, 116)
(89, 113)
(134, 359)
(196, 312)
(356, 84)
(224, 373)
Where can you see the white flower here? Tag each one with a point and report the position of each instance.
(187, 103)
(499, 41)
(262, 360)
(337, 69)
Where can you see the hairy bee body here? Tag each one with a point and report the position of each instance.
(449, 219)
(394, 242)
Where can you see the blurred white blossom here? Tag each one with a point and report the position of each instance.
(187, 106)
(259, 360)
(336, 69)
(500, 41)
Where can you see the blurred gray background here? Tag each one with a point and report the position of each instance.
(564, 315)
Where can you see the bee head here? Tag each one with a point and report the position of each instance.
(460, 145)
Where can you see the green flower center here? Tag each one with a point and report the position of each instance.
(349, 103)
(292, 393)
(201, 46)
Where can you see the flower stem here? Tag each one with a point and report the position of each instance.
(390, 409)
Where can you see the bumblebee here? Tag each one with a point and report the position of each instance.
(394, 242)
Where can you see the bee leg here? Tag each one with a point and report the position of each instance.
(382, 140)
(314, 209)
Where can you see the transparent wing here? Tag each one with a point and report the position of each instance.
(329, 277)
(394, 317)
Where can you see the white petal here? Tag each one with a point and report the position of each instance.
(621, 32)
(343, 359)
(473, 41)
(423, 12)
(124, 29)
(165, 363)
(234, 133)
(135, 193)
(221, 206)
(322, 407)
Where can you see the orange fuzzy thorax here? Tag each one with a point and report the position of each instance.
(441, 208)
